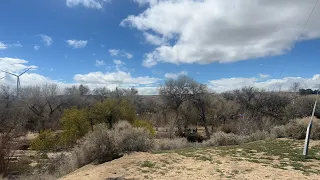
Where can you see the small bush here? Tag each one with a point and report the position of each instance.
(144, 124)
(45, 141)
(297, 129)
(168, 144)
(129, 139)
(223, 139)
(315, 132)
(96, 146)
(278, 132)
(259, 135)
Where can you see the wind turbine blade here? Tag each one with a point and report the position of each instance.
(24, 72)
(9, 73)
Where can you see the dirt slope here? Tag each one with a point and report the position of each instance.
(176, 166)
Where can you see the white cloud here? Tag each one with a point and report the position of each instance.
(149, 61)
(148, 90)
(223, 31)
(114, 79)
(144, 2)
(46, 39)
(118, 52)
(36, 47)
(263, 76)
(95, 4)
(226, 84)
(175, 75)
(153, 39)
(128, 55)
(14, 65)
(118, 62)
(99, 63)
(77, 43)
(3, 46)
(114, 52)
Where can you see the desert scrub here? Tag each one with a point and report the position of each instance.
(104, 144)
(144, 124)
(46, 141)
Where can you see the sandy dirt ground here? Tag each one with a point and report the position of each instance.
(177, 167)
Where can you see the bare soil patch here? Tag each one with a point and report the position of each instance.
(271, 159)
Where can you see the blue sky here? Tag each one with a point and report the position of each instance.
(141, 43)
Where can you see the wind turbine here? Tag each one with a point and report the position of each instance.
(18, 79)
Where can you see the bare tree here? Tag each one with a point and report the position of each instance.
(201, 98)
(45, 105)
(295, 87)
(72, 91)
(174, 92)
(11, 126)
(83, 90)
(6, 96)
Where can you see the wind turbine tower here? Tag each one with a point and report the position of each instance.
(18, 79)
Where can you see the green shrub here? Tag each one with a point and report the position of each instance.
(77, 122)
(111, 111)
(144, 124)
(46, 141)
(74, 124)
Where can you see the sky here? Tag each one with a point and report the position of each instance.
(225, 44)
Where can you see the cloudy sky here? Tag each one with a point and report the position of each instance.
(225, 44)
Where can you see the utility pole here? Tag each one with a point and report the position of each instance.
(306, 143)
